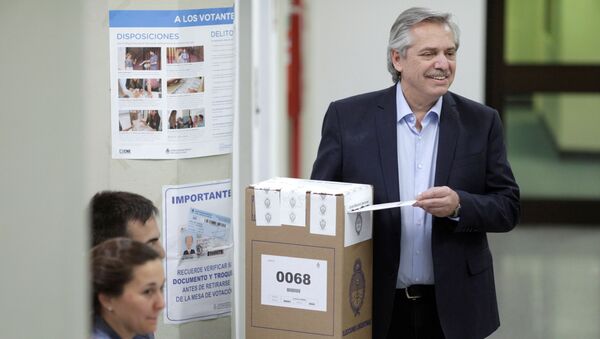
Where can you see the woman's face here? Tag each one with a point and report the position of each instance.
(136, 311)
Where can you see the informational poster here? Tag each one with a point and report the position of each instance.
(198, 242)
(172, 83)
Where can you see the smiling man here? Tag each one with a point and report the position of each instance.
(433, 274)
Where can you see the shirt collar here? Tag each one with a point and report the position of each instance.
(101, 327)
(404, 109)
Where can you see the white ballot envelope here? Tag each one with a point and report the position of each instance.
(383, 206)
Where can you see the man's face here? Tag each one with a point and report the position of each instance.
(188, 241)
(147, 233)
(427, 71)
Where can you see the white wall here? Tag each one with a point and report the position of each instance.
(269, 45)
(242, 158)
(344, 49)
(43, 239)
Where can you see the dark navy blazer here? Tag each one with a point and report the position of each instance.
(359, 145)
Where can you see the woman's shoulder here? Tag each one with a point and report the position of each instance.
(98, 333)
(101, 330)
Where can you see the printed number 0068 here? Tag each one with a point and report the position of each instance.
(290, 277)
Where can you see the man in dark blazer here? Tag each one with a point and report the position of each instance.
(433, 274)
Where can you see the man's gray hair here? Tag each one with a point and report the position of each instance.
(400, 37)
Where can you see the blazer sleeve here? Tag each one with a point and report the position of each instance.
(497, 209)
(328, 164)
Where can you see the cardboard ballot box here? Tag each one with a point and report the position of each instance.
(308, 261)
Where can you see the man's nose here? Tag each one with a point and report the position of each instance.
(160, 250)
(441, 61)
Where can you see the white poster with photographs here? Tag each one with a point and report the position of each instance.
(198, 243)
(172, 78)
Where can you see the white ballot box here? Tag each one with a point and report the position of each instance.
(308, 260)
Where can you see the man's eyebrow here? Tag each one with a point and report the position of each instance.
(435, 49)
(152, 240)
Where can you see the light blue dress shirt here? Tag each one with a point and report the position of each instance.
(417, 153)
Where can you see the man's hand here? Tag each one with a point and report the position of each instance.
(439, 201)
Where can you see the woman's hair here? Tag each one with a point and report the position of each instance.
(112, 265)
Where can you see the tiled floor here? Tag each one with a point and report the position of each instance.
(548, 282)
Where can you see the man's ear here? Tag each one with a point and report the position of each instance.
(395, 56)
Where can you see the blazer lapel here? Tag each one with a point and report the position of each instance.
(387, 139)
(448, 135)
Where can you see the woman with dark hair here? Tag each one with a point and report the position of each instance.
(153, 120)
(173, 120)
(127, 289)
